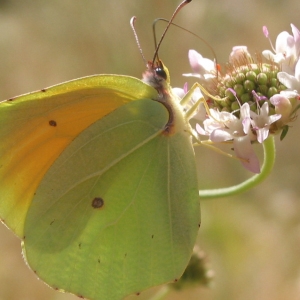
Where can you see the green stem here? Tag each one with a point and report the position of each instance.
(269, 160)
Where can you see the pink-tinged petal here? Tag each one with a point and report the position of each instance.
(283, 41)
(210, 125)
(285, 79)
(195, 58)
(289, 94)
(243, 149)
(274, 118)
(264, 111)
(268, 54)
(290, 45)
(220, 135)
(200, 64)
(246, 124)
(283, 107)
(185, 87)
(278, 57)
(245, 117)
(207, 65)
(296, 34)
(280, 102)
(288, 80)
(200, 130)
(224, 117)
(262, 134)
(238, 53)
(245, 111)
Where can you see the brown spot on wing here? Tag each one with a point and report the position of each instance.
(97, 202)
(52, 123)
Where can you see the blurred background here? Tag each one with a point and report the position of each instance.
(252, 241)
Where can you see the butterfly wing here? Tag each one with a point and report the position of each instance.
(118, 211)
(35, 128)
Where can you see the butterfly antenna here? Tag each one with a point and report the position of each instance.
(132, 24)
(179, 7)
(190, 32)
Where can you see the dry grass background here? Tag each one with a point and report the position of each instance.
(252, 241)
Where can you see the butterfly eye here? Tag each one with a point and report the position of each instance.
(161, 73)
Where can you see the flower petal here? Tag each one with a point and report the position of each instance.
(220, 135)
(243, 149)
(200, 130)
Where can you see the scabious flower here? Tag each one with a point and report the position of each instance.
(251, 99)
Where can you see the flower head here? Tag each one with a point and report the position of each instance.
(252, 99)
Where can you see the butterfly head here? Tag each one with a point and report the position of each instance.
(156, 75)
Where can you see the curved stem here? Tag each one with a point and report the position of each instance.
(269, 160)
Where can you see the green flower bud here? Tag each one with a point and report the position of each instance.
(240, 77)
(239, 89)
(235, 106)
(230, 95)
(246, 98)
(272, 91)
(274, 82)
(251, 75)
(263, 89)
(249, 85)
(244, 79)
(262, 79)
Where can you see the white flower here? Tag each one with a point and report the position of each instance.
(287, 49)
(225, 126)
(261, 122)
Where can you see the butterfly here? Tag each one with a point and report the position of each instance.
(98, 179)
